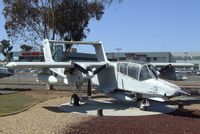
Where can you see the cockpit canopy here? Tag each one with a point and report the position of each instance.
(137, 71)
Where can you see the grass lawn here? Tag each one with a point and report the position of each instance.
(14, 102)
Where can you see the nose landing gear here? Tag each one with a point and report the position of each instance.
(143, 104)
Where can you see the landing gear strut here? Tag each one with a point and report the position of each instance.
(143, 104)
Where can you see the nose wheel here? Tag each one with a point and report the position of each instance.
(143, 104)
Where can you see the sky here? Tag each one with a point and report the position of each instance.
(145, 25)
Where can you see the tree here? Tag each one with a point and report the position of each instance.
(26, 47)
(5, 49)
(34, 20)
(31, 21)
(79, 13)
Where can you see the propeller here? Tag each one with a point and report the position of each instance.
(88, 70)
(80, 68)
(89, 73)
(99, 69)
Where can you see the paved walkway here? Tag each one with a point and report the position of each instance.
(116, 108)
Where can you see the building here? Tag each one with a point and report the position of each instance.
(28, 56)
(126, 56)
(142, 56)
(156, 57)
(38, 56)
(187, 57)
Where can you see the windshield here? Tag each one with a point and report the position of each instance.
(153, 70)
(148, 72)
(145, 73)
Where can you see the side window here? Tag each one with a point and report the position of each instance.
(123, 68)
(133, 71)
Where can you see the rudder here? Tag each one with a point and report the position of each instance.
(47, 51)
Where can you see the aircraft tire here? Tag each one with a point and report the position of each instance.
(74, 100)
(143, 105)
(144, 108)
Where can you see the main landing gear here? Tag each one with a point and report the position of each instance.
(74, 100)
(77, 100)
(143, 104)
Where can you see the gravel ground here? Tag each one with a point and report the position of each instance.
(42, 118)
(178, 122)
(45, 118)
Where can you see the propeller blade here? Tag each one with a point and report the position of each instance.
(76, 66)
(10, 48)
(99, 69)
(89, 90)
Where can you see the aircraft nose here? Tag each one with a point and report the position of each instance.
(170, 89)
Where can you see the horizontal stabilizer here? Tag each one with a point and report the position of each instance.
(98, 45)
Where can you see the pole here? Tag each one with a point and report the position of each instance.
(118, 49)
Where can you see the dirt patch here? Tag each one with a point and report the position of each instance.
(178, 122)
(41, 118)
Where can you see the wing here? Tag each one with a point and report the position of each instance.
(69, 64)
(173, 64)
(38, 64)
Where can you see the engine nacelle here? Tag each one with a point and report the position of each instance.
(46, 78)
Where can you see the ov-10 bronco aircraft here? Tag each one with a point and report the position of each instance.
(125, 81)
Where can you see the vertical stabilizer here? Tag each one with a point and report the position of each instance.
(48, 58)
(47, 51)
(100, 52)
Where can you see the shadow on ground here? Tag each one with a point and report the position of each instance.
(112, 107)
